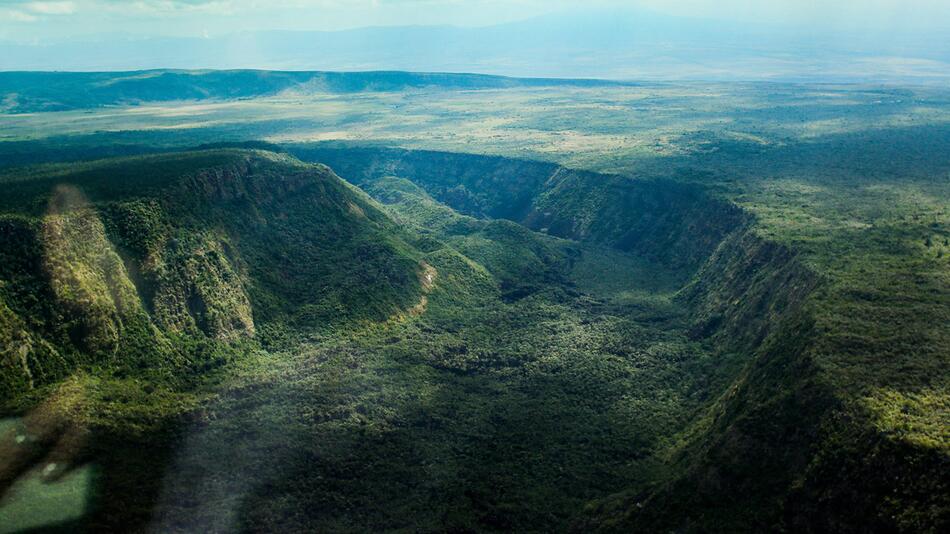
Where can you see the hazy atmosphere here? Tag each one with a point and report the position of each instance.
(53, 20)
(475, 266)
(696, 39)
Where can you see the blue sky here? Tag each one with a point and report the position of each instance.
(50, 20)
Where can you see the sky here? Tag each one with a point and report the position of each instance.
(43, 21)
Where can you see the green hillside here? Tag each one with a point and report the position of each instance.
(839, 385)
(607, 267)
(145, 265)
(154, 291)
(233, 339)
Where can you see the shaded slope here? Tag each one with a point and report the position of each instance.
(523, 262)
(128, 262)
(800, 442)
(513, 400)
(804, 422)
(833, 418)
(676, 224)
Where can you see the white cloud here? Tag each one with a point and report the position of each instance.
(17, 16)
(50, 8)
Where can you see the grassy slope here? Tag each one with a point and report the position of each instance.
(144, 262)
(130, 287)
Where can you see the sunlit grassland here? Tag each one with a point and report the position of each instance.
(579, 125)
(648, 129)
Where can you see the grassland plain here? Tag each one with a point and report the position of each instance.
(848, 190)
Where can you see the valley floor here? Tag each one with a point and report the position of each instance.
(508, 416)
(540, 375)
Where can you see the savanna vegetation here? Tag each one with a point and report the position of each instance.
(647, 310)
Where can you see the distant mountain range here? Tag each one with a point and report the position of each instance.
(626, 44)
(23, 92)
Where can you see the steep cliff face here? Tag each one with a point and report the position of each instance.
(198, 289)
(787, 443)
(735, 465)
(24, 356)
(745, 289)
(479, 186)
(676, 224)
(88, 279)
(128, 263)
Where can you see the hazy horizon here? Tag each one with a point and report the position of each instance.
(35, 21)
(880, 41)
